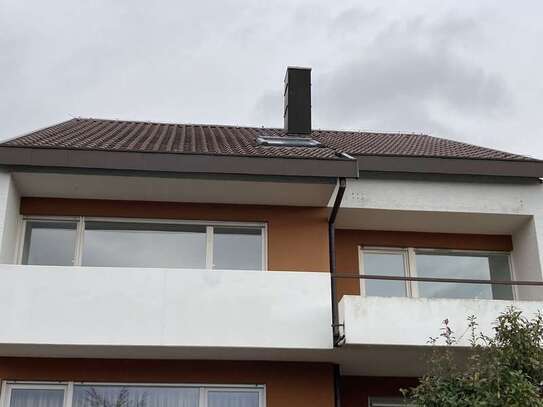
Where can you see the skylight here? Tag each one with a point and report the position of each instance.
(287, 141)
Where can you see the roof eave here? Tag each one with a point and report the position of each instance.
(456, 166)
(177, 163)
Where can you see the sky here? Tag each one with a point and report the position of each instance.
(469, 71)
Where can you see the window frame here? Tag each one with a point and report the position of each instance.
(387, 402)
(80, 234)
(68, 387)
(404, 252)
(410, 263)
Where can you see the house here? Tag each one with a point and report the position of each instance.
(155, 264)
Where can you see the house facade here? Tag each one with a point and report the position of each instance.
(158, 264)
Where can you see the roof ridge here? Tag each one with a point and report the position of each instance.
(237, 126)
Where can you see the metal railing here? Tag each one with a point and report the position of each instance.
(437, 279)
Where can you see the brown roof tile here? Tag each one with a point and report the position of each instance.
(115, 135)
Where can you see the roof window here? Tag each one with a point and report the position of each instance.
(287, 141)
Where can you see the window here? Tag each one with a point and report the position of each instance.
(50, 243)
(435, 264)
(233, 398)
(36, 396)
(138, 243)
(135, 396)
(470, 265)
(385, 263)
(388, 402)
(287, 141)
(131, 395)
(123, 244)
(229, 242)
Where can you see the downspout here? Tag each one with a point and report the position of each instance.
(332, 256)
(337, 386)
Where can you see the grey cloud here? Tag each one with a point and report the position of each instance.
(407, 74)
(403, 79)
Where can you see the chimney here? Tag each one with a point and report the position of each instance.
(297, 113)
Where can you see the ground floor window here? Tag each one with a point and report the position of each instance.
(129, 395)
(430, 263)
(388, 402)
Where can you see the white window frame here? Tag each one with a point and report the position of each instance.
(80, 235)
(387, 402)
(410, 263)
(404, 252)
(68, 387)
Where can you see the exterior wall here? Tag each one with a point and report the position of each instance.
(525, 259)
(356, 390)
(297, 236)
(287, 384)
(9, 219)
(347, 242)
(444, 204)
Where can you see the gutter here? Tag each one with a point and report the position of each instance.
(178, 163)
(332, 255)
(455, 166)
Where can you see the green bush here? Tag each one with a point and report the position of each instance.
(501, 370)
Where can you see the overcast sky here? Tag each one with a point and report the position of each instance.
(469, 71)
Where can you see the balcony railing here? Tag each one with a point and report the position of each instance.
(412, 320)
(168, 310)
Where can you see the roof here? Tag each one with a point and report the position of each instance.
(81, 135)
(117, 135)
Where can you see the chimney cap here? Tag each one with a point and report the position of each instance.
(296, 68)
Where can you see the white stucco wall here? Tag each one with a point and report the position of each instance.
(164, 307)
(445, 195)
(412, 321)
(9, 217)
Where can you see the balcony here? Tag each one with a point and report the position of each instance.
(412, 321)
(145, 312)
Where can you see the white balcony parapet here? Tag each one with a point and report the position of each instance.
(400, 321)
(84, 306)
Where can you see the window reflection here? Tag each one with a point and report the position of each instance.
(237, 248)
(233, 399)
(49, 243)
(385, 264)
(121, 244)
(37, 398)
(135, 396)
(463, 266)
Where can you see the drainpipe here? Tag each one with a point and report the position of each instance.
(332, 256)
(337, 386)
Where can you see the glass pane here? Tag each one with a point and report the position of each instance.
(237, 248)
(389, 402)
(135, 396)
(122, 244)
(233, 399)
(463, 265)
(49, 243)
(499, 270)
(385, 264)
(37, 398)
